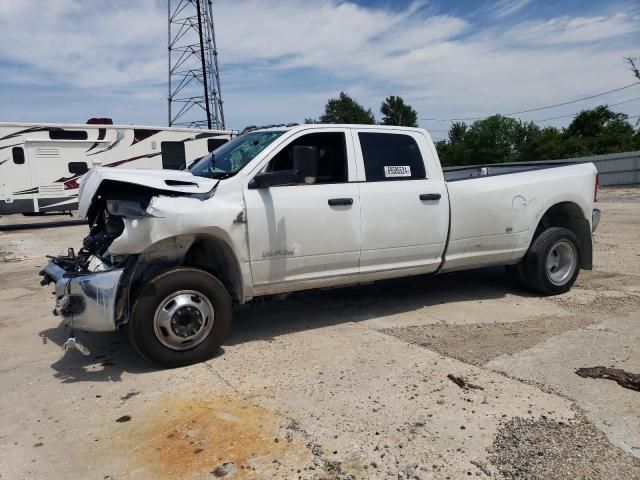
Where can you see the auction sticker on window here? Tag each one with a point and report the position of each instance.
(397, 171)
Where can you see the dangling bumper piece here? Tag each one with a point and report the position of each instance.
(87, 301)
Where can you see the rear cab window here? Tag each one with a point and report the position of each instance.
(391, 156)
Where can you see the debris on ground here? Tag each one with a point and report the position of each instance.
(623, 378)
(482, 467)
(224, 469)
(462, 383)
(529, 449)
(73, 344)
(129, 395)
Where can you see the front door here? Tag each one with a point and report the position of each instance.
(405, 208)
(306, 231)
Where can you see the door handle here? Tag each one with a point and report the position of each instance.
(340, 201)
(430, 196)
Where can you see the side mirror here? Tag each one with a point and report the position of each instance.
(305, 161)
(274, 179)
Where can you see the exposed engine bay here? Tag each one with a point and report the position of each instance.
(113, 202)
(94, 285)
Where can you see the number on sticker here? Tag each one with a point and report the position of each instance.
(397, 171)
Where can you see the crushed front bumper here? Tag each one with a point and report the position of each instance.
(87, 301)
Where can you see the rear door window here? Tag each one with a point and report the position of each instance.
(391, 156)
(173, 156)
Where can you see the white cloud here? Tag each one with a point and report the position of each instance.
(505, 8)
(340, 38)
(85, 44)
(444, 65)
(578, 30)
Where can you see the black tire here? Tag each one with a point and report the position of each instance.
(141, 330)
(534, 265)
(519, 275)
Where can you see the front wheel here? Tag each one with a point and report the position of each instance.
(180, 318)
(552, 263)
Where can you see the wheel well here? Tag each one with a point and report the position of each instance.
(216, 257)
(569, 215)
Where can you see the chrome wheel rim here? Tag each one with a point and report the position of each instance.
(561, 262)
(183, 319)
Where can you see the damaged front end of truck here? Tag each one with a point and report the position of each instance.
(93, 284)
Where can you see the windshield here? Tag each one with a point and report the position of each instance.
(230, 158)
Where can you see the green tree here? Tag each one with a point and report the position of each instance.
(550, 144)
(599, 131)
(444, 153)
(396, 112)
(501, 139)
(457, 132)
(526, 142)
(346, 110)
(492, 140)
(455, 151)
(590, 123)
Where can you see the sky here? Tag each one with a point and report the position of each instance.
(65, 61)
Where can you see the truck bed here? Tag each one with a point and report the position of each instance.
(467, 172)
(493, 218)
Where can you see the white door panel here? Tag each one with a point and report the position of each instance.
(398, 229)
(294, 234)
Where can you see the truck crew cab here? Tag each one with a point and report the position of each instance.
(285, 209)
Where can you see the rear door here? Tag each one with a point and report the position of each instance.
(306, 231)
(404, 210)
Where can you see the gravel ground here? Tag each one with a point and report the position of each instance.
(595, 293)
(540, 447)
(630, 193)
(477, 343)
(530, 449)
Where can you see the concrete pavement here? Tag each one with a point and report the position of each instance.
(343, 383)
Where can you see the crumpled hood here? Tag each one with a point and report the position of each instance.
(166, 180)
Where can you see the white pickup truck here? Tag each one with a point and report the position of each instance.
(283, 209)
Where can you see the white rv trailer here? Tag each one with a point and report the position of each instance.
(41, 165)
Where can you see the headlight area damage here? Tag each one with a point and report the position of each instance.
(91, 286)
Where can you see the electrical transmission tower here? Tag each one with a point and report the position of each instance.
(194, 84)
